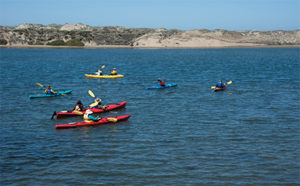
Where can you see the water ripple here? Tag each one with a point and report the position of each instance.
(188, 135)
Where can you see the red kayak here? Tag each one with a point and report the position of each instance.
(80, 113)
(219, 89)
(101, 121)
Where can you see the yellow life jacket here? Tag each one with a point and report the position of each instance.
(114, 72)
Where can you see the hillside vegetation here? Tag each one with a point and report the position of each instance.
(84, 35)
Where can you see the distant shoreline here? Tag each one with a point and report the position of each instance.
(130, 47)
(87, 37)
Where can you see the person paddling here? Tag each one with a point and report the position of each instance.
(79, 106)
(161, 83)
(49, 90)
(97, 104)
(99, 73)
(89, 118)
(220, 84)
(114, 72)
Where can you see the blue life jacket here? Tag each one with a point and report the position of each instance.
(219, 85)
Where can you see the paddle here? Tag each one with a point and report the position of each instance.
(114, 120)
(74, 111)
(91, 93)
(103, 66)
(54, 113)
(40, 85)
(228, 83)
(77, 112)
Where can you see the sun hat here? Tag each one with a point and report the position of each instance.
(89, 111)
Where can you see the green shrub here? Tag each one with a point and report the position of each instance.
(57, 43)
(3, 42)
(85, 33)
(74, 42)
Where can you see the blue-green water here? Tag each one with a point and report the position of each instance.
(187, 135)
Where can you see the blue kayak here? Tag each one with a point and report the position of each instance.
(50, 95)
(160, 87)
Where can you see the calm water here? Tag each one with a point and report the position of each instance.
(188, 135)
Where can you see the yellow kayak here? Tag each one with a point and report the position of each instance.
(104, 76)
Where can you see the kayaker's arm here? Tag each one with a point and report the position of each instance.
(93, 118)
(53, 92)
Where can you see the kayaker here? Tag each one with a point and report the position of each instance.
(161, 83)
(49, 90)
(99, 73)
(79, 106)
(89, 118)
(97, 104)
(114, 72)
(220, 84)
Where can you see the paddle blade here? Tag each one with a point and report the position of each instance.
(213, 87)
(103, 67)
(91, 93)
(77, 112)
(112, 119)
(54, 113)
(229, 82)
(93, 105)
(39, 84)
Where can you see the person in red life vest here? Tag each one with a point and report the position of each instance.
(162, 83)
